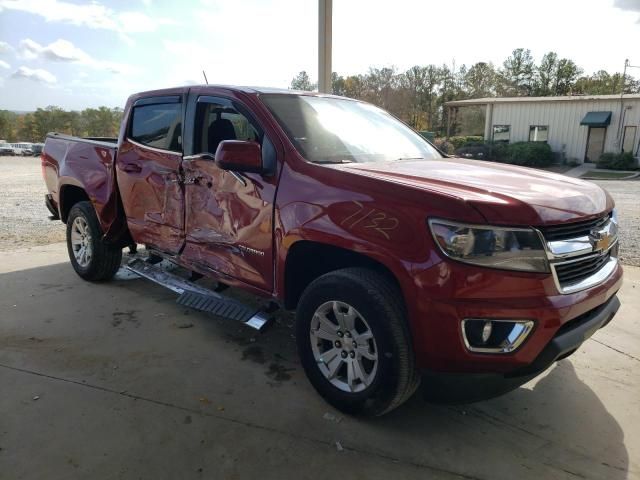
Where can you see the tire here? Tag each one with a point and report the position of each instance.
(373, 305)
(101, 260)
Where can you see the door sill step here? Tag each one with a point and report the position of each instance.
(201, 298)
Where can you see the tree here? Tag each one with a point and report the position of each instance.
(480, 80)
(413, 82)
(381, 87)
(354, 87)
(555, 76)
(603, 83)
(517, 74)
(8, 122)
(302, 82)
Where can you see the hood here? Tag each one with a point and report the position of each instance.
(503, 194)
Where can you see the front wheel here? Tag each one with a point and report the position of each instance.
(354, 341)
(90, 256)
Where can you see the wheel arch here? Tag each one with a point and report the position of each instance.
(307, 260)
(70, 195)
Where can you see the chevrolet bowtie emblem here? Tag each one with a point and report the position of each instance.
(601, 239)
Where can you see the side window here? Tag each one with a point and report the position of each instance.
(158, 125)
(538, 133)
(219, 120)
(501, 133)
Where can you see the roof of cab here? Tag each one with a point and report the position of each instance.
(238, 88)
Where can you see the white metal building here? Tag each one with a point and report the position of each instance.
(580, 128)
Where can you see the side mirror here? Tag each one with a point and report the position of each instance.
(239, 156)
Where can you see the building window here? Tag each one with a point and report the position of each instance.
(538, 133)
(629, 139)
(501, 133)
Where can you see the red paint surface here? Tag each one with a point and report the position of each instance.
(243, 234)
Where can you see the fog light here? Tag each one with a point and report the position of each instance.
(494, 336)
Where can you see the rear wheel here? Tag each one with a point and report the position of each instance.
(354, 342)
(90, 256)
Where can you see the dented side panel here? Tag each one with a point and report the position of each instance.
(152, 196)
(229, 223)
(88, 166)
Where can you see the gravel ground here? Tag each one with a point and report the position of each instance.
(23, 215)
(626, 193)
(24, 222)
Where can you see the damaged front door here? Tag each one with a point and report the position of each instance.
(228, 216)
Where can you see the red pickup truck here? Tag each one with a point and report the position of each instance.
(403, 265)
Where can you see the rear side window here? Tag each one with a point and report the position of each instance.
(158, 125)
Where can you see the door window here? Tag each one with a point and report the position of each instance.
(218, 120)
(158, 125)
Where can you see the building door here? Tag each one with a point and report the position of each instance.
(595, 143)
(629, 139)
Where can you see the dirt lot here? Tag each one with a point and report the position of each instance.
(23, 216)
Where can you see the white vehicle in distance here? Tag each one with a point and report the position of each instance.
(22, 148)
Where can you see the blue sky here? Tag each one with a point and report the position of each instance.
(84, 54)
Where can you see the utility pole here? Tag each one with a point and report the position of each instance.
(325, 12)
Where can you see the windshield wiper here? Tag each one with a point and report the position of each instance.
(409, 158)
(344, 160)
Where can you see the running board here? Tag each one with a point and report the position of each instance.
(200, 298)
(224, 307)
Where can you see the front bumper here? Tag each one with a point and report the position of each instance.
(448, 292)
(463, 388)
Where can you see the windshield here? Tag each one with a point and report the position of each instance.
(334, 130)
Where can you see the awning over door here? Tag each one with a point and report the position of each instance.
(596, 119)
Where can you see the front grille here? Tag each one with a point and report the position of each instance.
(577, 270)
(572, 230)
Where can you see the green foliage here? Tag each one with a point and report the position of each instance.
(302, 82)
(531, 154)
(34, 126)
(617, 161)
(418, 95)
(461, 141)
(603, 83)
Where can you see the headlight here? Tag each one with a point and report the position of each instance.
(495, 247)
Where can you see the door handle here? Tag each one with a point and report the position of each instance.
(192, 180)
(132, 168)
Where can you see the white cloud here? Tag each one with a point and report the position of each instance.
(37, 74)
(65, 51)
(633, 5)
(4, 65)
(138, 22)
(5, 47)
(630, 5)
(91, 15)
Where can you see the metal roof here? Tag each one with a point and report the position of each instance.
(572, 98)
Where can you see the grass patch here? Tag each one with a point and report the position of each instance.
(604, 174)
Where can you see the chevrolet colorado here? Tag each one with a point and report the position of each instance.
(400, 263)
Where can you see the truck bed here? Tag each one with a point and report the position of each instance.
(70, 162)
